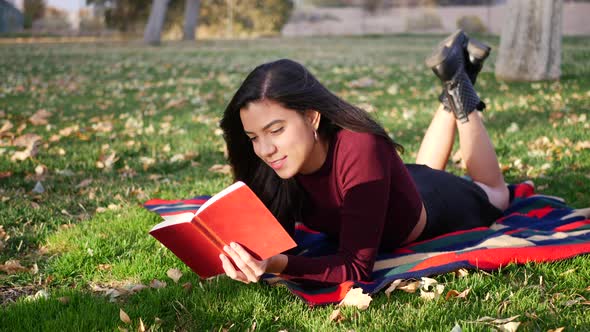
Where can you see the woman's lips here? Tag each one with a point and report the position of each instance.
(277, 164)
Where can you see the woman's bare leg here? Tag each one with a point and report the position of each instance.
(438, 140)
(481, 161)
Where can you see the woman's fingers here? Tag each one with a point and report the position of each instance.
(254, 264)
(230, 271)
(241, 264)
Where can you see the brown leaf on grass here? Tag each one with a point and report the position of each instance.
(336, 316)
(30, 152)
(363, 82)
(67, 131)
(26, 140)
(6, 127)
(106, 161)
(141, 327)
(122, 329)
(223, 169)
(124, 317)
(356, 298)
(460, 273)
(497, 321)
(103, 127)
(559, 329)
(104, 267)
(435, 294)
(174, 274)
(582, 145)
(84, 183)
(146, 162)
(5, 175)
(157, 284)
(64, 299)
(40, 117)
(508, 327)
(410, 287)
(455, 294)
(12, 267)
(174, 103)
(187, 286)
(393, 286)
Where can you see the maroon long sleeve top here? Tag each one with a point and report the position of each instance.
(363, 196)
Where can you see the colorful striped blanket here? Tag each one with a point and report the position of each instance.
(535, 228)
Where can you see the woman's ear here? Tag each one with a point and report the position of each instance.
(313, 117)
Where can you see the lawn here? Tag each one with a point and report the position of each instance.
(124, 123)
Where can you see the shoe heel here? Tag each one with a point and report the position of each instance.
(441, 52)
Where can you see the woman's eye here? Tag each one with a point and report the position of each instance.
(252, 139)
(277, 131)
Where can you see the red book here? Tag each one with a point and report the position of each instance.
(235, 214)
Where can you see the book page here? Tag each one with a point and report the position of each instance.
(219, 195)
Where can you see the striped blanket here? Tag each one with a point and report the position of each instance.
(535, 228)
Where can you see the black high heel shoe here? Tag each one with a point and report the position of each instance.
(449, 63)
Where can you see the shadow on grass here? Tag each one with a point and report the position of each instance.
(214, 305)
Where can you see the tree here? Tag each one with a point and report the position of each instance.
(33, 10)
(530, 45)
(191, 18)
(153, 28)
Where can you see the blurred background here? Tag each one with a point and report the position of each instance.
(235, 19)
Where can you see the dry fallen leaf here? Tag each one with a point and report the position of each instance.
(64, 299)
(141, 327)
(124, 317)
(461, 273)
(336, 316)
(508, 327)
(393, 286)
(224, 169)
(6, 174)
(559, 329)
(6, 127)
(84, 183)
(107, 161)
(410, 287)
(157, 284)
(174, 274)
(12, 266)
(40, 117)
(435, 294)
(30, 152)
(455, 294)
(356, 298)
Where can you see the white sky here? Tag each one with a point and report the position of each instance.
(66, 4)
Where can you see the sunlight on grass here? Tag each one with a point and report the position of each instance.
(128, 123)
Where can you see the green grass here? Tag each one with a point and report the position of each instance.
(129, 87)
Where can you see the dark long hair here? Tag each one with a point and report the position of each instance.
(292, 86)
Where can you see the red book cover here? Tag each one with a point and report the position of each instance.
(235, 214)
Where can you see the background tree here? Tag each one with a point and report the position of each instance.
(191, 19)
(530, 45)
(33, 10)
(153, 28)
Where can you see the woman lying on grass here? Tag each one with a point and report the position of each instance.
(312, 157)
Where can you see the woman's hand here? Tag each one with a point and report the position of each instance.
(250, 269)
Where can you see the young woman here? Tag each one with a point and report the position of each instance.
(314, 158)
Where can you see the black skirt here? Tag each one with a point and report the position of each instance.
(452, 203)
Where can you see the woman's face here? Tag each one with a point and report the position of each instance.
(283, 138)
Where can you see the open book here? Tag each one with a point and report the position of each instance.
(235, 214)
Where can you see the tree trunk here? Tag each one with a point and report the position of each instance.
(530, 45)
(191, 19)
(153, 28)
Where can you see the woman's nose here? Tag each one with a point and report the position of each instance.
(267, 148)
